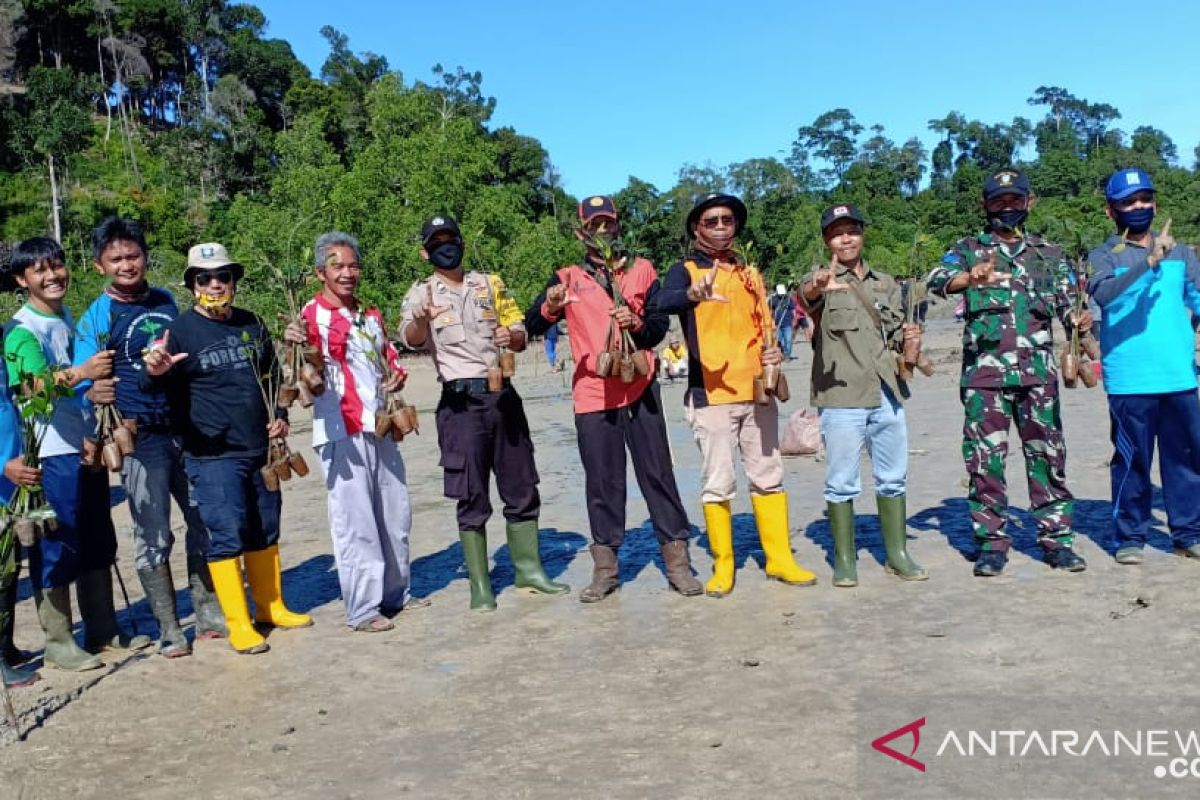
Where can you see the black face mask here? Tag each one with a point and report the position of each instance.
(448, 255)
(1009, 220)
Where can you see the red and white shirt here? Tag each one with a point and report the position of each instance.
(358, 357)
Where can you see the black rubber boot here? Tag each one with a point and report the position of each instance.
(101, 630)
(9, 672)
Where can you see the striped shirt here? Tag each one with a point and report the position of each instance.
(358, 357)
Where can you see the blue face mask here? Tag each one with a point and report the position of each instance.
(447, 255)
(1135, 220)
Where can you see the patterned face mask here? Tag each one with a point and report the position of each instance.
(220, 306)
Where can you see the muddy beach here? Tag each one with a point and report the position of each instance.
(774, 691)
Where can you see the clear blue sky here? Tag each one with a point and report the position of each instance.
(642, 88)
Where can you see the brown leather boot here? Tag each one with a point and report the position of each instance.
(604, 574)
(679, 568)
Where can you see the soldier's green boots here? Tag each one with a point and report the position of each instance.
(474, 545)
(845, 553)
(893, 520)
(527, 560)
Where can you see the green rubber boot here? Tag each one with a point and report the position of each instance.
(100, 628)
(845, 552)
(160, 594)
(893, 519)
(527, 560)
(54, 612)
(474, 545)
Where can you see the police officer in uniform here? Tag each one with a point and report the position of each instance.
(464, 319)
(1014, 284)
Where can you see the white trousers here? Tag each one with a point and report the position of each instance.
(369, 521)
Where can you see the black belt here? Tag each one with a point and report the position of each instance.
(470, 386)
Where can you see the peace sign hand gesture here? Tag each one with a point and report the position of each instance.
(702, 290)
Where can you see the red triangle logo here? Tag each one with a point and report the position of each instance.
(914, 727)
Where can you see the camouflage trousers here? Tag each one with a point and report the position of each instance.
(1035, 412)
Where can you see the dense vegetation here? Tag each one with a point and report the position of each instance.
(182, 113)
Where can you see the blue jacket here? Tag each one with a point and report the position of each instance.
(1146, 330)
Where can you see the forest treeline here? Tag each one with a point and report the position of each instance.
(186, 115)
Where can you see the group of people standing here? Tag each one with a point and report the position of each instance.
(193, 382)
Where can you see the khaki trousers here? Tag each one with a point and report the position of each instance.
(723, 430)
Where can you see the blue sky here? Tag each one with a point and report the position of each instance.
(642, 88)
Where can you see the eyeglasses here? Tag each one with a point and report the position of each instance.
(711, 222)
(222, 275)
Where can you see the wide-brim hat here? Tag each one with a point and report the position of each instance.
(210, 256)
(716, 199)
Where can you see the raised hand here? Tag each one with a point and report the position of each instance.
(702, 290)
(426, 310)
(559, 297)
(985, 274)
(1164, 243)
(825, 280)
(158, 361)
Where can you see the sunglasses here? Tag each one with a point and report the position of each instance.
(221, 275)
(711, 222)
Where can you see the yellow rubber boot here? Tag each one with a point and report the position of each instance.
(231, 594)
(266, 585)
(719, 521)
(771, 516)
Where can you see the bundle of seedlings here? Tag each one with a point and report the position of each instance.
(115, 436)
(302, 366)
(28, 514)
(911, 356)
(771, 382)
(622, 357)
(282, 461)
(397, 418)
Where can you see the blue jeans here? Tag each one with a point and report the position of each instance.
(1137, 421)
(85, 540)
(882, 431)
(152, 475)
(239, 512)
(784, 335)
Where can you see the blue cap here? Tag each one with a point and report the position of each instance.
(1125, 182)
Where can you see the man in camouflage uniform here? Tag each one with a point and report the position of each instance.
(1014, 285)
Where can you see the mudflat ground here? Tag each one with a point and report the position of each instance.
(774, 691)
